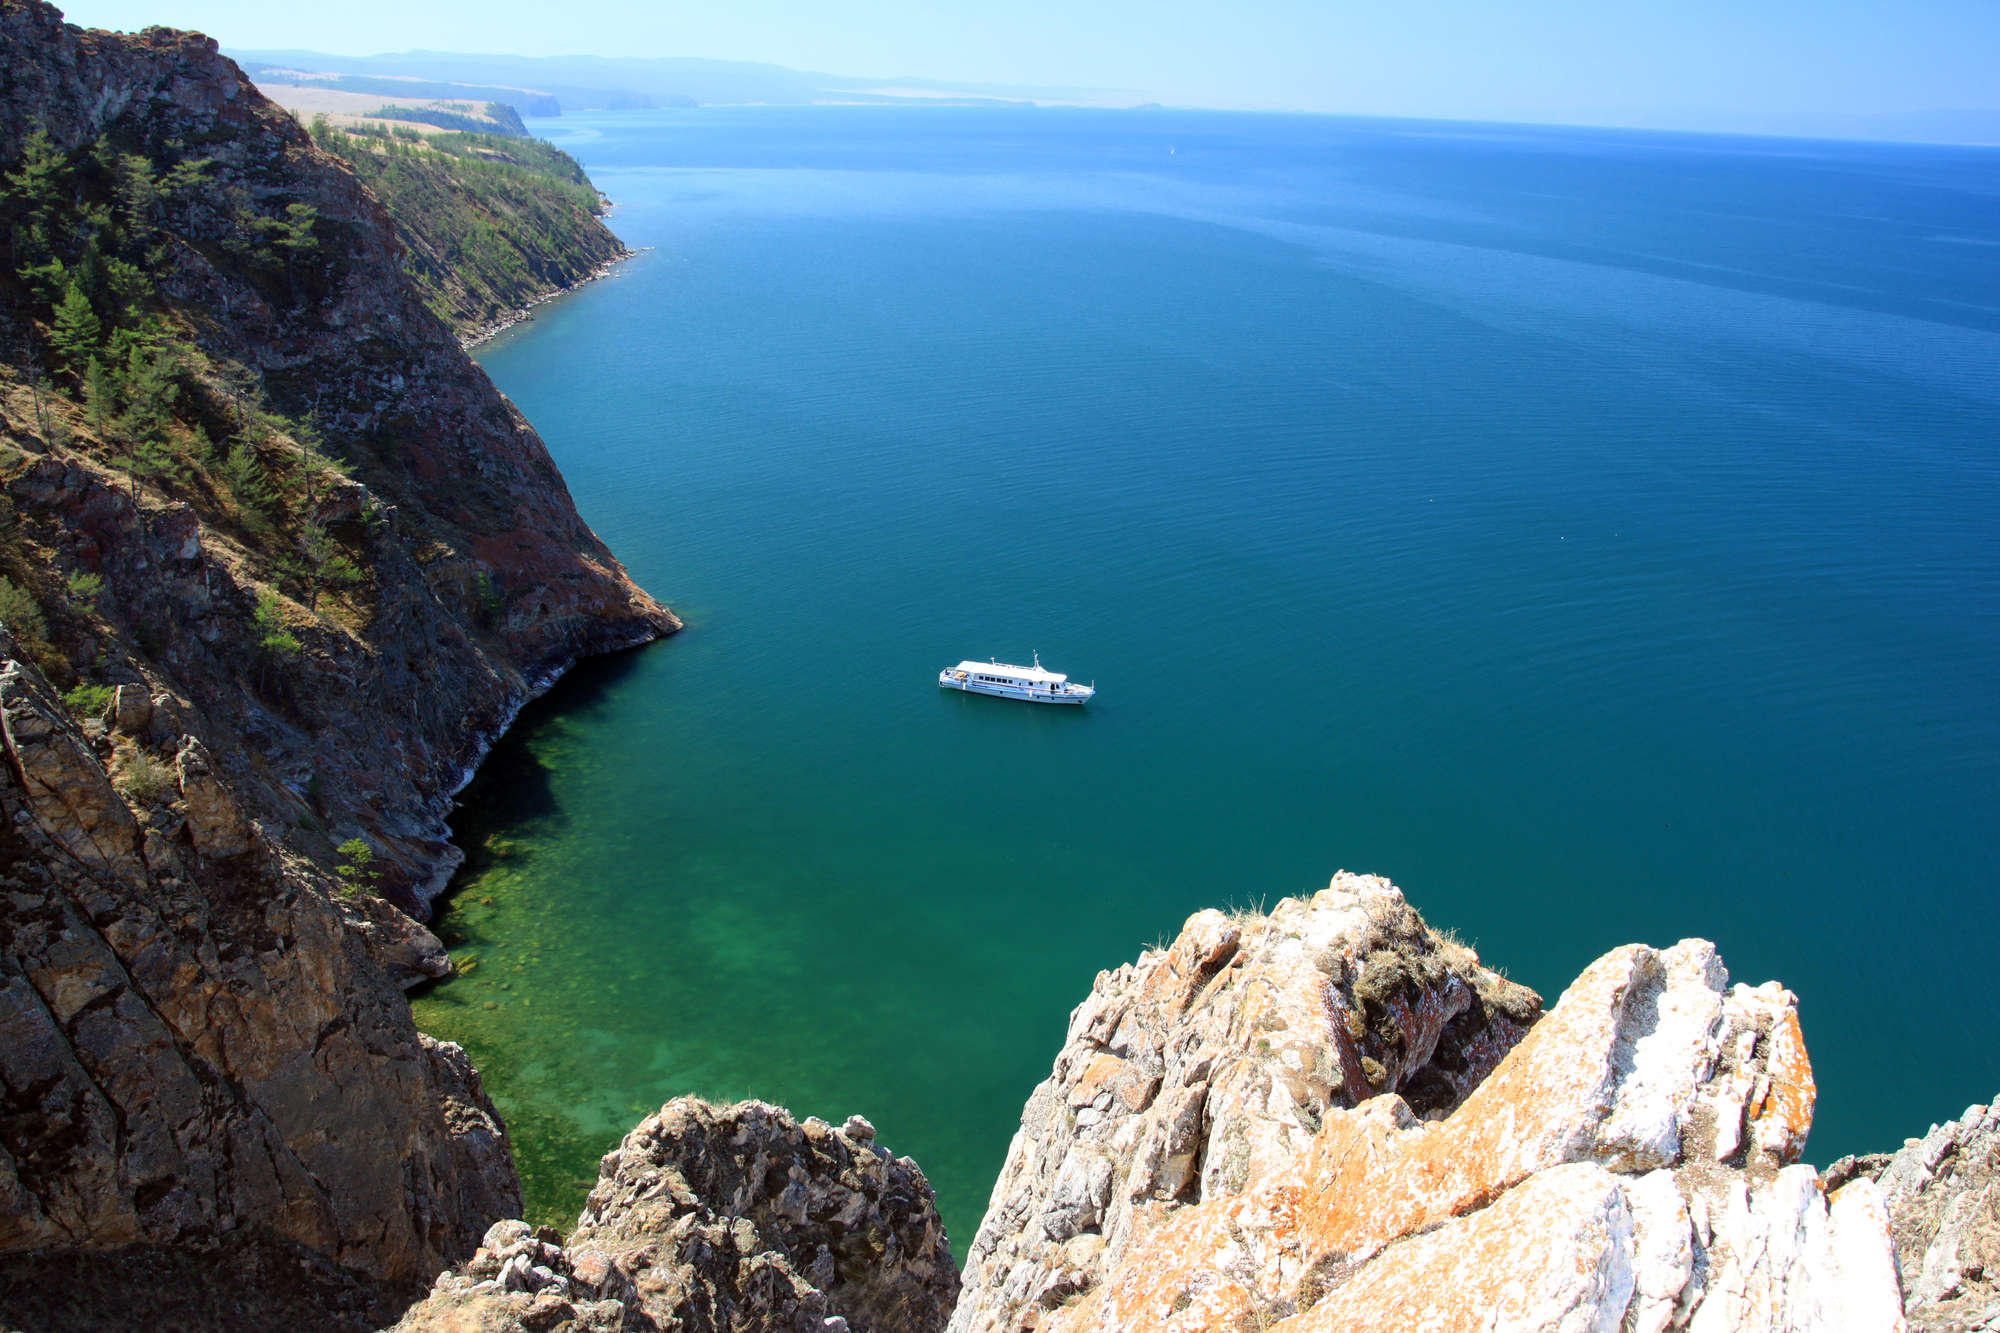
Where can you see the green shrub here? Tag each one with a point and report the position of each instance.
(356, 867)
(85, 588)
(88, 700)
(272, 636)
(491, 603)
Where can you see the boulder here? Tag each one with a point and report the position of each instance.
(717, 1218)
(131, 709)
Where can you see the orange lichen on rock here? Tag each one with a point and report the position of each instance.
(1198, 1075)
(1782, 1116)
(1543, 1257)
(1628, 1165)
(1377, 1174)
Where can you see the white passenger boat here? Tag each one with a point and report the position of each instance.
(1016, 682)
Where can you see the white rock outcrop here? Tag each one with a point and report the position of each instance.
(1204, 1067)
(1630, 1166)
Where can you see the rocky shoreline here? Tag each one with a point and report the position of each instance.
(447, 862)
(487, 332)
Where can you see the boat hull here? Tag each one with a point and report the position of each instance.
(1068, 694)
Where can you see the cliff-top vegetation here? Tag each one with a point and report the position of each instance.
(491, 221)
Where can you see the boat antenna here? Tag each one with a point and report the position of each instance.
(1038, 659)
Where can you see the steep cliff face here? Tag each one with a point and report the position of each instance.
(279, 562)
(476, 577)
(721, 1219)
(1628, 1163)
(197, 1045)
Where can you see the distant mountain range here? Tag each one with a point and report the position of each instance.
(548, 85)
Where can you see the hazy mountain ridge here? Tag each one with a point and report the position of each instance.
(544, 85)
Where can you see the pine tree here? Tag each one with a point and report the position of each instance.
(31, 365)
(184, 183)
(36, 187)
(324, 566)
(150, 390)
(21, 612)
(78, 332)
(250, 482)
(149, 458)
(293, 235)
(138, 194)
(274, 641)
(100, 396)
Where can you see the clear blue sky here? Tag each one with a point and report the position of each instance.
(1642, 61)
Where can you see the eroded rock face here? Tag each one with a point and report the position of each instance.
(1630, 1164)
(711, 1218)
(193, 1047)
(1943, 1196)
(1206, 1067)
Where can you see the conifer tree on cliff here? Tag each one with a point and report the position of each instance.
(77, 331)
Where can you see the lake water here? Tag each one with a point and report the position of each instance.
(1598, 533)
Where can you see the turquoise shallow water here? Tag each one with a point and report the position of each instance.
(1597, 533)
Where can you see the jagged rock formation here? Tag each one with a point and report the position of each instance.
(203, 1044)
(1943, 1196)
(1212, 1064)
(1628, 1164)
(712, 1218)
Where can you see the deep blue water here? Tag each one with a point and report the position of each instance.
(1596, 532)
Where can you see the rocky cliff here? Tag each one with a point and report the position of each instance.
(1332, 1119)
(278, 562)
(1329, 1118)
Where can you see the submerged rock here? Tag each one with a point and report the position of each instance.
(720, 1218)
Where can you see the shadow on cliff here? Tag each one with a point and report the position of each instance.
(174, 1289)
(513, 797)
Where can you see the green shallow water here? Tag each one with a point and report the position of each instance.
(1596, 533)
